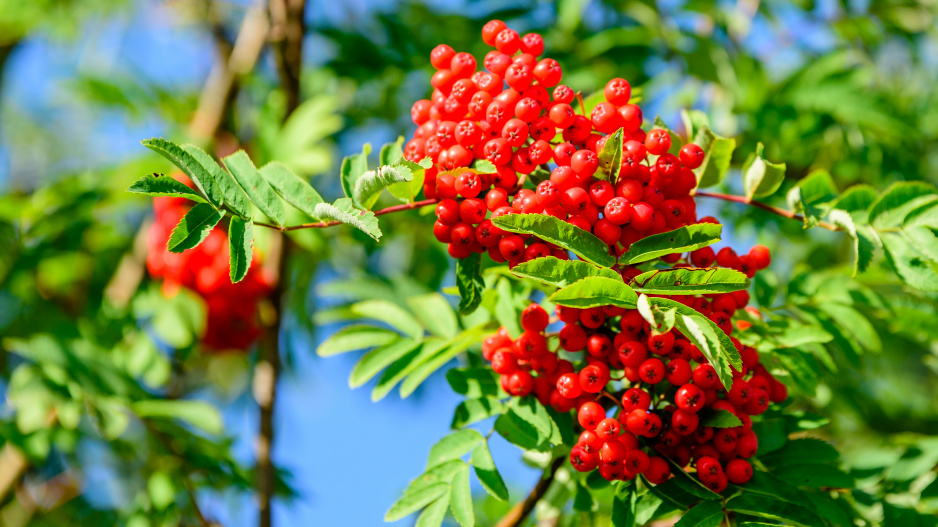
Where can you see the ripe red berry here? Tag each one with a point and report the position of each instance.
(739, 471)
(692, 156)
(760, 256)
(593, 378)
(651, 371)
(635, 398)
(658, 142)
(590, 414)
(618, 91)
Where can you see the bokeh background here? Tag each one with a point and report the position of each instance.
(846, 86)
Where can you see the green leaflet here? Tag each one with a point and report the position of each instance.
(719, 152)
(470, 283)
(193, 228)
(812, 196)
(378, 359)
(505, 310)
(898, 201)
(368, 187)
(814, 475)
(154, 185)
(389, 313)
(689, 484)
(256, 187)
(624, 504)
(343, 211)
(473, 382)
(661, 320)
(235, 199)
(461, 498)
(241, 248)
(690, 281)
(774, 510)
(435, 313)
(197, 413)
(556, 231)
(404, 366)
(291, 187)
(411, 502)
(355, 337)
(806, 450)
(761, 178)
(704, 514)
(454, 347)
(553, 271)
(474, 410)
(353, 167)
(610, 158)
(856, 198)
(435, 513)
(596, 291)
(453, 446)
(684, 239)
(190, 166)
(719, 419)
(484, 467)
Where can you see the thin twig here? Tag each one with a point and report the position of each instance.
(766, 207)
(324, 224)
(519, 512)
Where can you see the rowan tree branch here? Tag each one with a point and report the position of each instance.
(766, 207)
(324, 224)
(519, 512)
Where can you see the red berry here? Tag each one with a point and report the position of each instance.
(534, 318)
(491, 29)
(651, 371)
(760, 256)
(618, 91)
(739, 471)
(590, 414)
(692, 156)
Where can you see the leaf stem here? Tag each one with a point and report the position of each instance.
(519, 512)
(325, 224)
(764, 206)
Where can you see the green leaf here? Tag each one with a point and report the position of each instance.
(409, 190)
(856, 198)
(193, 228)
(690, 485)
(473, 382)
(161, 490)
(898, 201)
(624, 504)
(453, 446)
(343, 211)
(411, 502)
(190, 166)
(159, 185)
(435, 313)
(353, 167)
(404, 367)
(199, 414)
(390, 153)
(774, 510)
(560, 233)
(470, 283)
(583, 500)
(484, 467)
(596, 291)
(693, 120)
(518, 432)
(474, 410)
(718, 153)
(461, 498)
(235, 199)
(811, 196)
(687, 281)
(610, 158)
(814, 476)
(719, 419)
(661, 320)
(484, 166)
(368, 187)
(704, 514)
(256, 187)
(450, 351)
(355, 337)
(435, 513)
(378, 359)
(241, 248)
(505, 309)
(709, 339)
(807, 450)
(865, 240)
(292, 188)
(682, 240)
(531, 411)
(761, 178)
(772, 435)
(389, 313)
(765, 484)
(854, 322)
(553, 271)
(911, 266)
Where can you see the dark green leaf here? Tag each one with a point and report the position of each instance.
(774, 510)
(765, 484)
(343, 210)
(802, 451)
(531, 411)
(553, 230)
(690, 281)
(151, 185)
(473, 382)
(691, 485)
(487, 473)
(469, 281)
(898, 201)
(256, 187)
(610, 158)
(453, 446)
(474, 410)
(518, 432)
(411, 502)
(378, 359)
(353, 167)
(814, 476)
(623, 505)
(761, 178)
(811, 196)
(190, 166)
(719, 419)
(241, 248)
(911, 266)
(560, 273)
(704, 514)
(292, 188)
(684, 239)
(193, 228)
(583, 500)
(461, 498)
(235, 199)
(596, 291)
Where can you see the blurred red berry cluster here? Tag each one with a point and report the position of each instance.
(232, 308)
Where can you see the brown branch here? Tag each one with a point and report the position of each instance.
(221, 85)
(287, 29)
(324, 224)
(519, 512)
(766, 207)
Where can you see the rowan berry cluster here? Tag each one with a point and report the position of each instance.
(231, 308)
(665, 386)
